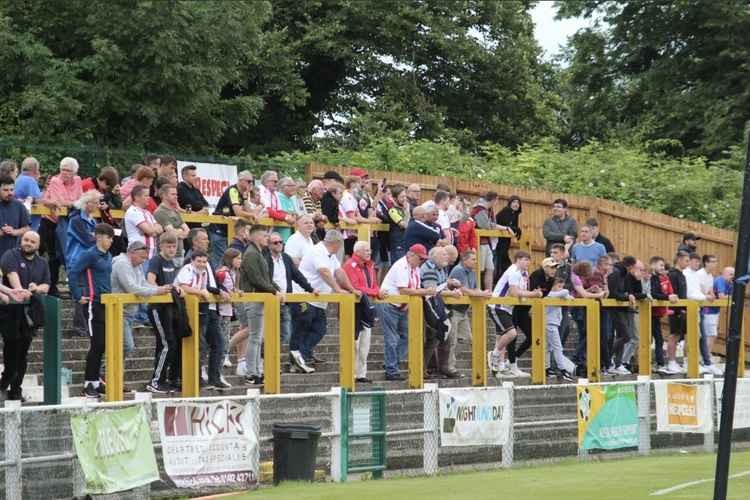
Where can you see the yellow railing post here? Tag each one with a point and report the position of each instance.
(416, 342)
(593, 336)
(191, 350)
(477, 266)
(363, 232)
(644, 348)
(538, 344)
(113, 339)
(693, 341)
(478, 342)
(272, 348)
(346, 342)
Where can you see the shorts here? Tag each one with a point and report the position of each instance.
(486, 258)
(240, 312)
(710, 325)
(678, 325)
(503, 321)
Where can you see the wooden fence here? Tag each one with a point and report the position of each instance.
(633, 231)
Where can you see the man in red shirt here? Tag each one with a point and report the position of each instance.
(360, 270)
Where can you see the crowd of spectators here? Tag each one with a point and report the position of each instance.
(430, 250)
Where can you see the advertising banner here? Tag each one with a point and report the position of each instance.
(470, 417)
(607, 417)
(741, 403)
(683, 407)
(208, 444)
(114, 449)
(214, 178)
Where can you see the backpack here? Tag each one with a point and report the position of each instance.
(467, 235)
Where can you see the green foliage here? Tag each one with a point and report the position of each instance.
(655, 70)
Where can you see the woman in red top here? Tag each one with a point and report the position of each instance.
(144, 176)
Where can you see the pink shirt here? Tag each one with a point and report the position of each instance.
(59, 192)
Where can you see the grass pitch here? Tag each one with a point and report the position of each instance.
(666, 477)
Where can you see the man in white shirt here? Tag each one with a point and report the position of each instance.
(140, 224)
(301, 242)
(322, 270)
(442, 200)
(700, 287)
(513, 283)
(403, 278)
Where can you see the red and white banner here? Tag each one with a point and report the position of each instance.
(214, 179)
(208, 444)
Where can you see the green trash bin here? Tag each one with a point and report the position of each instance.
(295, 450)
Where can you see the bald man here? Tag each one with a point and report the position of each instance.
(28, 274)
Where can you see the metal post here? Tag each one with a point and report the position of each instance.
(734, 336)
(478, 341)
(52, 351)
(191, 351)
(593, 338)
(272, 340)
(254, 395)
(708, 437)
(416, 342)
(644, 414)
(346, 342)
(507, 457)
(693, 339)
(538, 344)
(582, 454)
(113, 338)
(430, 423)
(13, 440)
(339, 431)
(145, 399)
(363, 232)
(644, 331)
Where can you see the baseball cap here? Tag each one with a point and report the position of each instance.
(419, 250)
(137, 245)
(550, 262)
(333, 175)
(690, 236)
(359, 172)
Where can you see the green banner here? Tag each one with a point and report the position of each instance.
(607, 417)
(114, 449)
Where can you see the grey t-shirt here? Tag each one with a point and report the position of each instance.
(467, 278)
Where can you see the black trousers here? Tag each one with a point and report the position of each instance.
(48, 245)
(95, 329)
(522, 321)
(15, 358)
(167, 353)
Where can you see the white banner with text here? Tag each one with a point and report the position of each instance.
(213, 178)
(208, 444)
(741, 402)
(683, 407)
(474, 417)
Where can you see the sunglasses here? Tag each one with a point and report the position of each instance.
(275, 242)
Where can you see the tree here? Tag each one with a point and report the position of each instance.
(681, 66)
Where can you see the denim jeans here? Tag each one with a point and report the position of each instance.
(395, 330)
(298, 334)
(579, 316)
(313, 330)
(705, 355)
(129, 319)
(209, 330)
(254, 311)
(218, 247)
(286, 324)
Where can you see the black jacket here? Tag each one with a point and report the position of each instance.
(509, 217)
(330, 207)
(656, 292)
(679, 283)
(539, 279)
(608, 246)
(634, 287)
(616, 281)
(292, 273)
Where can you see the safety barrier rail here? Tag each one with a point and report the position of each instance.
(364, 231)
(114, 304)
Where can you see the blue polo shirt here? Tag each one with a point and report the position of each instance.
(27, 186)
(14, 214)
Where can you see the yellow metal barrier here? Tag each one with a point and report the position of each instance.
(487, 233)
(114, 307)
(363, 230)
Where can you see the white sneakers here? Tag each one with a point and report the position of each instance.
(515, 371)
(672, 368)
(621, 370)
(204, 374)
(298, 364)
(493, 362)
(241, 369)
(227, 363)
